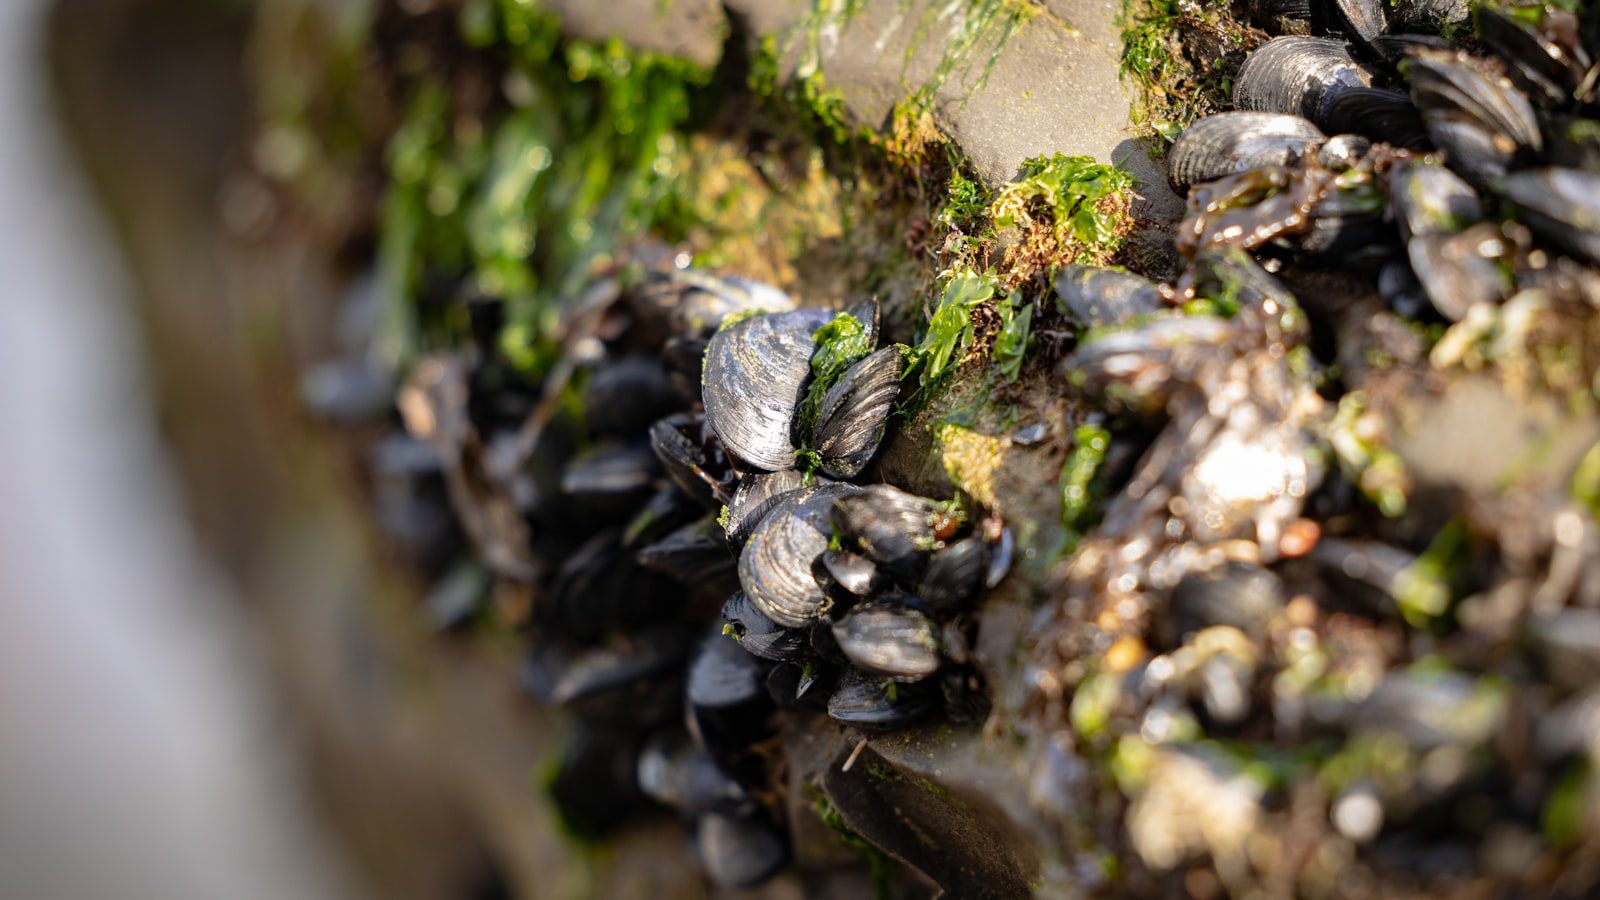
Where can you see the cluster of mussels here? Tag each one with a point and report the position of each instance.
(835, 598)
(1233, 589)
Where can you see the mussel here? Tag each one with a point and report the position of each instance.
(755, 376)
(775, 567)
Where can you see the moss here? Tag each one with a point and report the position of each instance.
(971, 460)
(1015, 338)
(1082, 487)
(950, 328)
(1181, 58)
(840, 344)
(877, 861)
(1424, 589)
(1356, 436)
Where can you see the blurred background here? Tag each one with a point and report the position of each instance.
(209, 686)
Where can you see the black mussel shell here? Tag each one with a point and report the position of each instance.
(675, 441)
(799, 685)
(457, 597)
(594, 788)
(1000, 558)
(855, 412)
(739, 852)
(894, 528)
(1298, 76)
(684, 358)
(1419, 17)
(1562, 205)
(1484, 125)
(725, 697)
(853, 574)
(1233, 142)
(755, 377)
(1431, 199)
(1460, 271)
(1547, 63)
(1359, 20)
(693, 302)
(760, 635)
(889, 638)
(1237, 594)
(956, 574)
(600, 588)
(633, 665)
(666, 510)
(1097, 297)
(613, 474)
(1283, 16)
(966, 697)
(695, 555)
(775, 567)
(1379, 115)
(873, 703)
(755, 496)
(626, 395)
(675, 773)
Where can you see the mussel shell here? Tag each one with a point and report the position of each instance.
(760, 635)
(892, 527)
(775, 567)
(853, 573)
(617, 473)
(564, 676)
(666, 510)
(1000, 558)
(1459, 271)
(695, 555)
(684, 458)
(457, 597)
(739, 852)
(600, 588)
(1431, 199)
(1427, 16)
(755, 496)
(1283, 16)
(755, 377)
(1381, 115)
(1359, 20)
(677, 774)
(725, 697)
(1484, 124)
(855, 412)
(1098, 298)
(594, 788)
(879, 704)
(955, 574)
(889, 638)
(1233, 142)
(1237, 594)
(1562, 205)
(1547, 69)
(690, 301)
(1297, 76)
(625, 395)
(799, 685)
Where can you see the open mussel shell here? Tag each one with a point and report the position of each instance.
(894, 528)
(1298, 76)
(1097, 297)
(1431, 199)
(675, 442)
(890, 638)
(1233, 142)
(874, 703)
(695, 555)
(775, 567)
(1485, 125)
(624, 396)
(1380, 115)
(755, 376)
(675, 773)
(855, 412)
(760, 635)
(755, 496)
(1563, 205)
(739, 852)
(956, 574)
